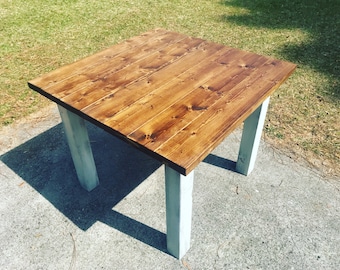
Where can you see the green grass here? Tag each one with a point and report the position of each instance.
(38, 36)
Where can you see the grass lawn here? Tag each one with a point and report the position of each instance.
(38, 36)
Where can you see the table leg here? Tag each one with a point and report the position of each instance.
(250, 141)
(178, 211)
(80, 147)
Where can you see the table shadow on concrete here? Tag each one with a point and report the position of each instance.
(44, 162)
(221, 162)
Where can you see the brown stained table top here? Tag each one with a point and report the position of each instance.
(173, 96)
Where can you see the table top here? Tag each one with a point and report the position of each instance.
(173, 96)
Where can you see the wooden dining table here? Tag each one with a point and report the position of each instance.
(172, 96)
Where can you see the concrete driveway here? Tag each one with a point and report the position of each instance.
(283, 216)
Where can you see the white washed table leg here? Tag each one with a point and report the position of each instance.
(80, 147)
(178, 211)
(250, 141)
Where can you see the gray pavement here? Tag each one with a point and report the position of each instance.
(282, 216)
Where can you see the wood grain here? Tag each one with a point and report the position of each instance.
(173, 96)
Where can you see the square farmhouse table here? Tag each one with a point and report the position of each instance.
(174, 97)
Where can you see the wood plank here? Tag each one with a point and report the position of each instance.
(65, 72)
(128, 95)
(166, 95)
(166, 124)
(97, 75)
(215, 123)
(191, 104)
(124, 74)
